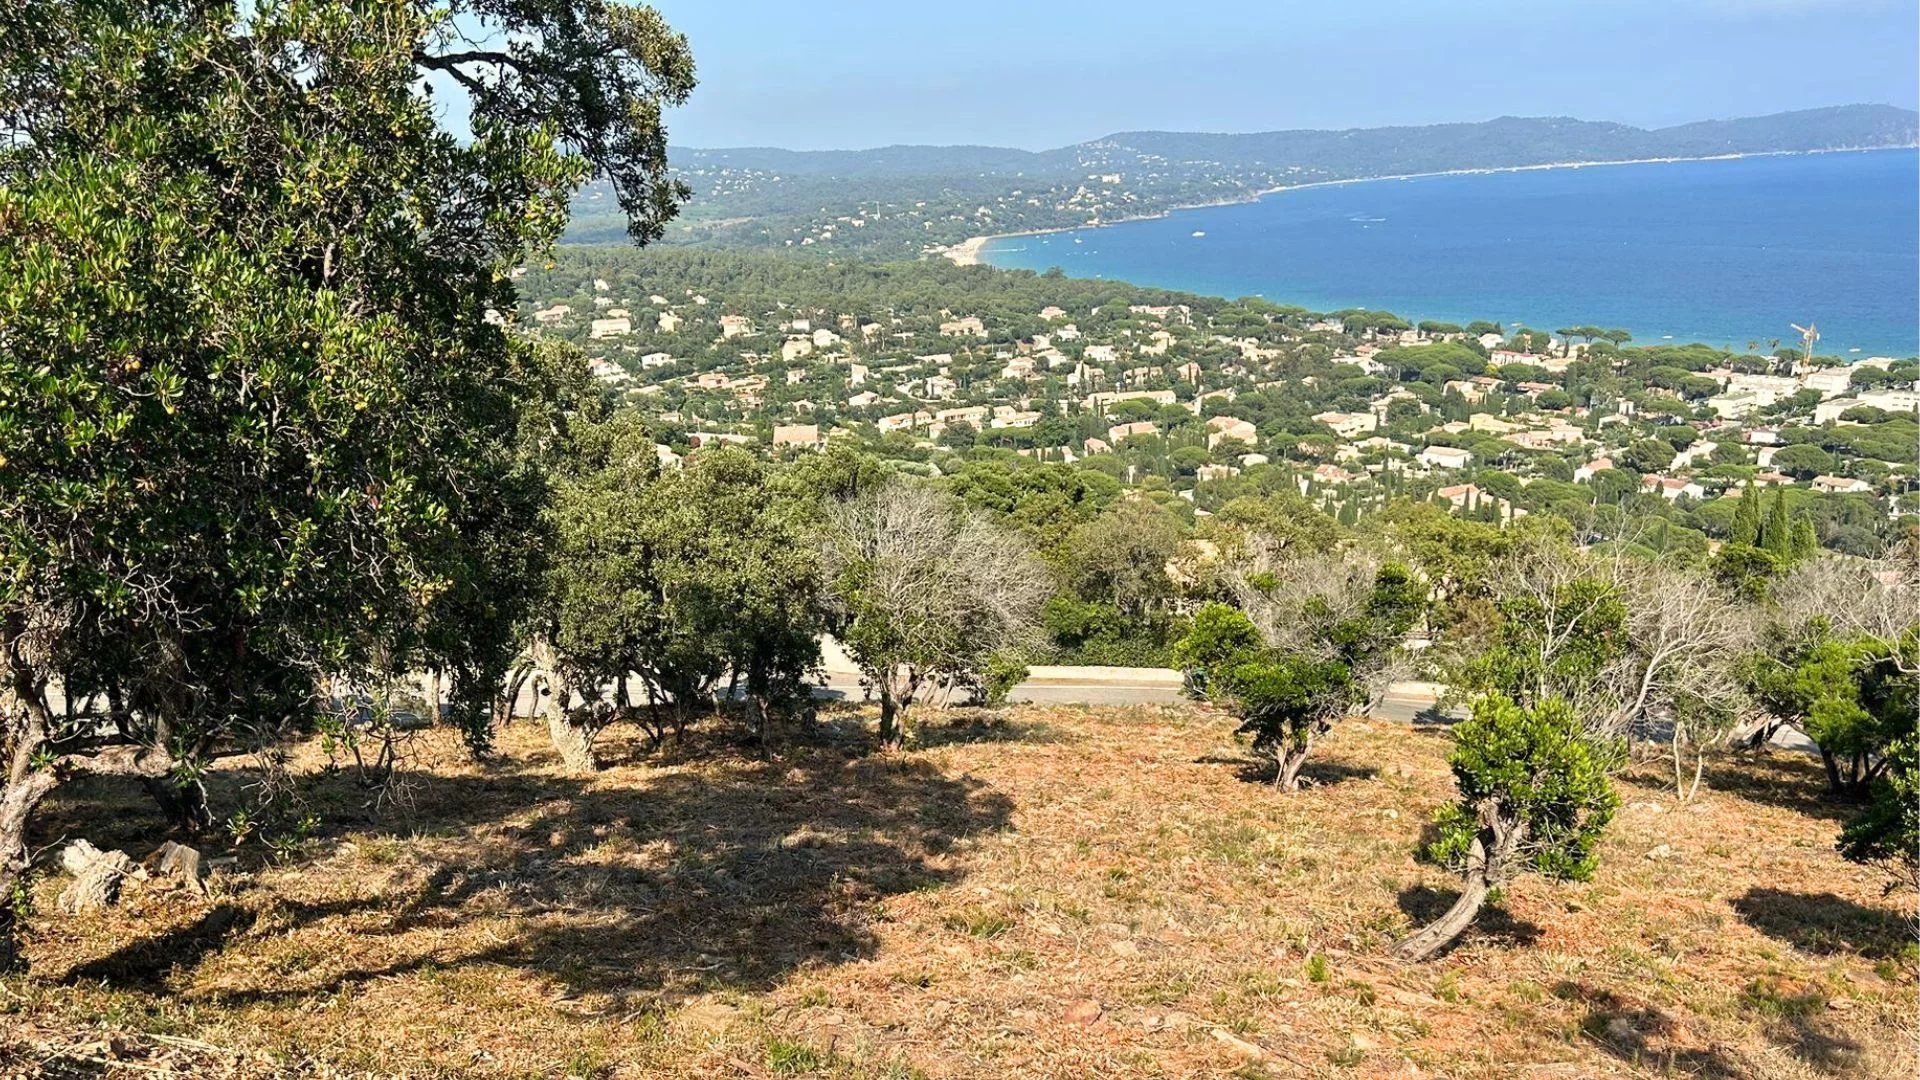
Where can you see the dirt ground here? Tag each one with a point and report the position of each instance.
(1052, 892)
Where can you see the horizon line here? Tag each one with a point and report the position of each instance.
(1280, 131)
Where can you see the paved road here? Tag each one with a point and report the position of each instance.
(1406, 703)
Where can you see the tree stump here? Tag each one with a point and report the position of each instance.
(178, 862)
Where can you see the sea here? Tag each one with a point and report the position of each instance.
(1727, 252)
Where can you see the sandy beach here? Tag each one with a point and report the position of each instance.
(967, 252)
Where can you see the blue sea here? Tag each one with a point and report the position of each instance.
(1724, 252)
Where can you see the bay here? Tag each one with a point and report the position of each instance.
(1722, 251)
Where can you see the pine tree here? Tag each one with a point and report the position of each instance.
(1746, 519)
(1777, 536)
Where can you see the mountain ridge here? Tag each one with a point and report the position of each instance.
(909, 200)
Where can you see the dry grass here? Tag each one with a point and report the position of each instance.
(1064, 893)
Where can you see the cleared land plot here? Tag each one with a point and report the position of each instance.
(1052, 892)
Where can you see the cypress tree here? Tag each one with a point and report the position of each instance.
(1777, 536)
(1746, 519)
(1805, 542)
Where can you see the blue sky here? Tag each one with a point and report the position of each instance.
(1042, 73)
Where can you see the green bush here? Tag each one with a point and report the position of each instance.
(1537, 768)
(1534, 795)
(1219, 636)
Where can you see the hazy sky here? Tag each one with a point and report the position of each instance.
(1042, 73)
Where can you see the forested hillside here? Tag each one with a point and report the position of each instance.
(900, 200)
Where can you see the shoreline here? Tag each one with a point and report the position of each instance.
(971, 251)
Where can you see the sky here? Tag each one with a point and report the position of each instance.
(1043, 73)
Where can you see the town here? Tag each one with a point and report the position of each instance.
(1194, 400)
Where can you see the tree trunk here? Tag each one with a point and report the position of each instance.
(23, 792)
(1834, 782)
(1441, 932)
(572, 738)
(1494, 844)
(504, 705)
(891, 737)
(1289, 760)
(185, 808)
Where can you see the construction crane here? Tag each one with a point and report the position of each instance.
(1808, 335)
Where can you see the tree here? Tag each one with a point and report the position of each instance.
(1120, 558)
(678, 579)
(923, 592)
(1684, 638)
(1534, 795)
(1330, 627)
(959, 435)
(1776, 535)
(1561, 628)
(1853, 694)
(255, 368)
(1219, 638)
(1746, 518)
(1887, 832)
(596, 73)
(1803, 461)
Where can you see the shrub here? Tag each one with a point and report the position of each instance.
(1534, 795)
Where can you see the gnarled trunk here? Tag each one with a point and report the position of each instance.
(573, 739)
(891, 735)
(898, 687)
(1489, 861)
(572, 735)
(1441, 932)
(1288, 759)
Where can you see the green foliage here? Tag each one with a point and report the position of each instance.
(1004, 671)
(1218, 639)
(1887, 832)
(262, 426)
(683, 576)
(1745, 571)
(1854, 695)
(1745, 531)
(1287, 695)
(1536, 770)
(1282, 700)
(1776, 535)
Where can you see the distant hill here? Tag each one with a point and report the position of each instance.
(900, 201)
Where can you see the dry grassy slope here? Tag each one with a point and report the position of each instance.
(1061, 893)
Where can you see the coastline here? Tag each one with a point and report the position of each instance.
(971, 251)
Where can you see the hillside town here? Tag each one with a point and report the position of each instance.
(1198, 400)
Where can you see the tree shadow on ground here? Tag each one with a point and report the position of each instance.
(1646, 1037)
(1784, 778)
(732, 875)
(1824, 924)
(1317, 772)
(978, 725)
(1495, 924)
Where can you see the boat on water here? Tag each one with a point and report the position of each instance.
(1199, 232)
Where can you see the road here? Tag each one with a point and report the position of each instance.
(1405, 703)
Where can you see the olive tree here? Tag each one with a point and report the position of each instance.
(1534, 795)
(922, 592)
